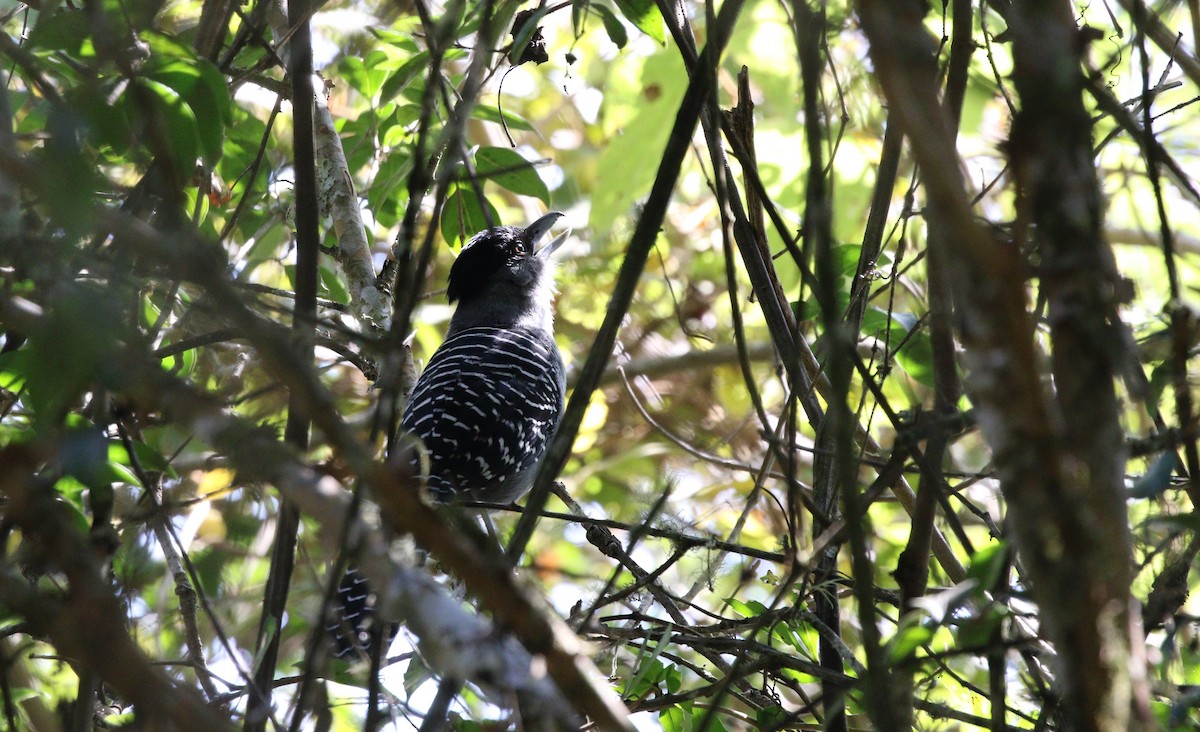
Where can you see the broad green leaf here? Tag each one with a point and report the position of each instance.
(204, 90)
(771, 718)
(751, 609)
(163, 45)
(70, 348)
(507, 168)
(916, 358)
(677, 718)
(388, 193)
(987, 563)
(71, 492)
(332, 286)
(147, 457)
(645, 17)
(464, 215)
(14, 369)
(106, 118)
(402, 41)
(907, 640)
(175, 119)
(490, 113)
(360, 77)
(64, 30)
(612, 24)
(403, 76)
(68, 178)
(980, 630)
(845, 259)
(636, 688)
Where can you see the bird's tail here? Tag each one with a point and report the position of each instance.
(353, 616)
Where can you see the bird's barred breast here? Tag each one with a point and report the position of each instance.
(486, 407)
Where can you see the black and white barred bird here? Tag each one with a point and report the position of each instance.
(491, 396)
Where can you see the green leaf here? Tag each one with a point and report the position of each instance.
(63, 30)
(354, 70)
(416, 674)
(751, 609)
(622, 173)
(845, 259)
(147, 457)
(612, 25)
(107, 122)
(463, 216)
(182, 364)
(403, 76)
(69, 179)
(177, 121)
(489, 113)
(14, 369)
(507, 168)
(987, 563)
(394, 38)
(677, 718)
(389, 192)
(916, 358)
(636, 688)
(979, 631)
(202, 87)
(907, 640)
(332, 287)
(645, 17)
(72, 492)
(771, 718)
(70, 348)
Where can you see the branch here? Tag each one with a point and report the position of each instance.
(304, 313)
(1167, 40)
(640, 244)
(337, 198)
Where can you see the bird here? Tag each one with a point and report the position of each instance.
(491, 396)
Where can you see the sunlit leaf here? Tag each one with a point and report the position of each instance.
(612, 25)
(645, 17)
(988, 563)
(167, 113)
(203, 89)
(465, 215)
(507, 168)
(512, 120)
(907, 640)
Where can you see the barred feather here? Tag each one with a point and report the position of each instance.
(486, 407)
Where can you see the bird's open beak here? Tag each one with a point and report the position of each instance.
(538, 228)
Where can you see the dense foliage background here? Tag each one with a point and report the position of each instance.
(879, 324)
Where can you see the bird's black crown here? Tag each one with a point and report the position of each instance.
(489, 253)
(502, 261)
